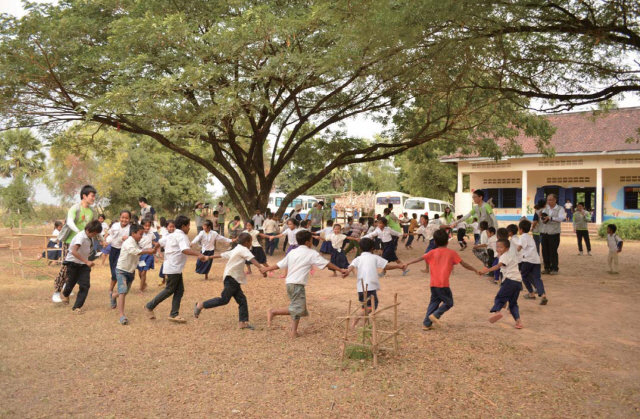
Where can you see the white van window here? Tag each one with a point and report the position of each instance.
(414, 205)
(434, 206)
(384, 200)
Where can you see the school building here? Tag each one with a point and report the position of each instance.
(597, 161)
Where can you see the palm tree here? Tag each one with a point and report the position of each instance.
(21, 154)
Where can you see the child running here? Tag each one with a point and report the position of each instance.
(476, 231)
(441, 261)
(298, 263)
(118, 233)
(530, 264)
(256, 248)
(462, 232)
(171, 227)
(336, 238)
(130, 255)
(326, 247)
(290, 232)
(511, 283)
(207, 240)
(176, 248)
(147, 261)
(234, 278)
(79, 266)
(367, 265)
(386, 234)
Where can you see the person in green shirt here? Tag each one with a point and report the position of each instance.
(581, 219)
(448, 216)
(316, 215)
(481, 210)
(78, 216)
(393, 222)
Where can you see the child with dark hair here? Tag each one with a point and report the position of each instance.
(476, 231)
(386, 234)
(512, 235)
(118, 233)
(441, 261)
(130, 256)
(53, 243)
(256, 248)
(298, 263)
(336, 238)
(176, 248)
(79, 266)
(462, 232)
(413, 226)
(535, 226)
(207, 240)
(614, 242)
(484, 251)
(171, 228)
(581, 219)
(530, 263)
(326, 247)
(367, 265)
(147, 261)
(511, 283)
(234, 278)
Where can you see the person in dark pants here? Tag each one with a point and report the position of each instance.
(234, 278)
(176, 248)
(441, 262)
(79, 266)
(511, 283)
(581, 220)
(552, 216)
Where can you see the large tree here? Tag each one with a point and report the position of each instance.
(240, 86)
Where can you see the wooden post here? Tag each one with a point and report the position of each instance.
(395, 323)
(374, 341)
(46, 243)
(346, 331)
(20, 247)
(13, 255)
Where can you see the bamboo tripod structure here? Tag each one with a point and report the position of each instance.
(19, 261)
(378, 337)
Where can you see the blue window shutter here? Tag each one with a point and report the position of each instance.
(539, 195)
(518, 198)
(561, 196)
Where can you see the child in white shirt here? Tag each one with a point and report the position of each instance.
(326, 247)
(614, 242)
(53, 243)
(147, 261)
(256, 248)
(386, 234)
(207, 240)
(530, 268)
(476, 231)
(462, 232)
(118, 233)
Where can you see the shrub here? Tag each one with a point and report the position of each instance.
(628, 229)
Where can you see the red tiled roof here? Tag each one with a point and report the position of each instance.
(580, 132)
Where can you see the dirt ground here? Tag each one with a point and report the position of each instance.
(578, 357)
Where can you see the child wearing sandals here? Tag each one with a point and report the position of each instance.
(234, 278)
(207, 240)
(79, 266)
(118, 233)
(147, 261)
(441, 261)
(298, 263)
(530, 263)
(511, 283)
(367, 265)
(130, 256)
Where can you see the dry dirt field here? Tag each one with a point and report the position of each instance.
(578, 357)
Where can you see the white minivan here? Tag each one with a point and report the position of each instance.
(419, 206)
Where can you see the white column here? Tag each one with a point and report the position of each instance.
(599, 195)
(525, 183)
(459, 180)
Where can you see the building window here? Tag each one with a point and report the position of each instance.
(504, 197)
(508, 198)
(632, 198)
(495, 195)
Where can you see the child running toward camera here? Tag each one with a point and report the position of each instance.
(171, 228)
(147, 260)
(462, 232)
(118, 233)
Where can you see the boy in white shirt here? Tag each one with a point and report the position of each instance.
(176, 248)
(512, 230)
(511, 283)
(614, 242)
(530, 263)
(484, 251)
(476, 231)
(234, 278)
(461, 233)
(79, 266)
(118, 233)
(367, 265)
(127, 264)
(298, 263)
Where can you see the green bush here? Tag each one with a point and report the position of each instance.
(628, 229)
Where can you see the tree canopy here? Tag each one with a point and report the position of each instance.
(240, 87)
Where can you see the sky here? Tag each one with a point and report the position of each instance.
(360, 126)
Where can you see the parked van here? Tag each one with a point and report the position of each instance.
(419, 206)
(383, 199)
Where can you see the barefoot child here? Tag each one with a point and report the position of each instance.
(130, 254)
(147, 261)
(441, 261)
(118, 233)
(530, 263)
(367, 265)
(207, 240)
(614, 242)
(234, 278)
(298, 263)
(511, 283)
(176, 249)
(79, 266)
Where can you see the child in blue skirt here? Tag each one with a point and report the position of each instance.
(256, 248)
(207, 240)
(147, 260)
(336, 239)
(326, 245)
(386, 234)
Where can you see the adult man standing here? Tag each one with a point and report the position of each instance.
(199, 216)
(146, 209)
(222, 210)
(78, 216)
(552, 217)
(258, 219)
(316, 214)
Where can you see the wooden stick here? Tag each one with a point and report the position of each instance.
(374, 340)
(20, 246)
(387, 308)
(392, 335)
(13, 255)
(395, 322)
(52, 249)
(46, 243)
(484, 398)
(35, 269)
(346, 333)
(383, 348)
(33, 235)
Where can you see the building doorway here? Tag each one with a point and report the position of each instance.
(548, 190)
(586, 195)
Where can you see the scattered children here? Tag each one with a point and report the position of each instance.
(386, 234)
(118, 233)
(476, 231)
(511, 283)
(326, 247)
(234, 278)
(530, 263)
(441, 261)
(79, 266)
(462, 232)
(176, 248)
(581, 220)
(256, 248)
(53, 243)
(367, 265)
(171, 227)
(147, 261)
(131, 254)
(336, 238)
(207, 240)
(615, 246)
(298, 263)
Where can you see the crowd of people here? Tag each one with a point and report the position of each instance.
(514, 257)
